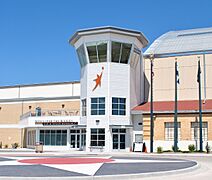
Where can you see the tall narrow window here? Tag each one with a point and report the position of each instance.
(120, 52)
(195, 131)
(92, 53)
(81, 55)
(84, 107)
(169, 131)
(98, 106)
(116, 49)
(102, 52)
(135, 57)
(97, 51)
(126, 48)
(118, 106)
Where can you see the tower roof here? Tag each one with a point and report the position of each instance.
(108, 29)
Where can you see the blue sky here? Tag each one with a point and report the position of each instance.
(34, 33)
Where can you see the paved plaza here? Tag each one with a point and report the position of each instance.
(90, 166)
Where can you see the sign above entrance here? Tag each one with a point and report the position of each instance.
(55, 122)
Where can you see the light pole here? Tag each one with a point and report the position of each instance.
(151, 106)
(200, 106)
(175, 110)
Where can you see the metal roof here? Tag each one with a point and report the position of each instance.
(105, 29)
(192, 41)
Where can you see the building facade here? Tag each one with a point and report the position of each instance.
(186, 48)
(109, 109)
(26, 110)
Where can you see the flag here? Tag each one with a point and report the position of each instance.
(198, 72)
(177, 74)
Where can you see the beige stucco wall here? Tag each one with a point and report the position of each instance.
(9, 136)
(10, 114)
(164, 77)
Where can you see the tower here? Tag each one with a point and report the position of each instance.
(112, 82)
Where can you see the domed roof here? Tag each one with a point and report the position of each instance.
(191, 41)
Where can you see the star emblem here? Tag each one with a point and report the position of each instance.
(98, 80)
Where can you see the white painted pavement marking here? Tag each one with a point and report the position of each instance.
(88, 169)
(12, 163)
(143, 161)
(21, 158)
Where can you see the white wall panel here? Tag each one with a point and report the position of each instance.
(9, 93)
(46, 91)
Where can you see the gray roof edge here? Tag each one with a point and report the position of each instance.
(78, 33)
(39, 84)
(188, 53)
(38, 99)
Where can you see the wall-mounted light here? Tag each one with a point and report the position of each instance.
(97, 122)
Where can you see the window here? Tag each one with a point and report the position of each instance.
(98, 106)
(120, 52)
(118, 106)
(195, 131)
(97, 137)
(169, 131)
(84, 106)
(81, 55)
(31, 137)
(97, 52)
(135, 57)
(53, 137)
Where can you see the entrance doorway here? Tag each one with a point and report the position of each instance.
(119, 138)
(77, 138)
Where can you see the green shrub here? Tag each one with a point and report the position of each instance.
(159, 149)
(191, 147)
(14, 145)
(167, 151)
(6, 146)
(177, 149)
(0, 145)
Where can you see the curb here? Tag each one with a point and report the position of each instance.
(112, 177)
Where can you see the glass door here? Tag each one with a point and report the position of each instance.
(119, 139)
(78, 138)
(75, 139)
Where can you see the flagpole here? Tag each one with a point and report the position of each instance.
(200, 106)
(175, 111)
(151, 108)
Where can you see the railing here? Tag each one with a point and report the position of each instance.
(42, 112)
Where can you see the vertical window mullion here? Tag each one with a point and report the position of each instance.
(97, 53)
(120, 53)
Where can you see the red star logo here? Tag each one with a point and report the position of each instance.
(98, 80)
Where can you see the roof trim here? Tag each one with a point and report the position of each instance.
(39, 84)
(38, 99)
(105, 29)
(188, 53)
(134, 112)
